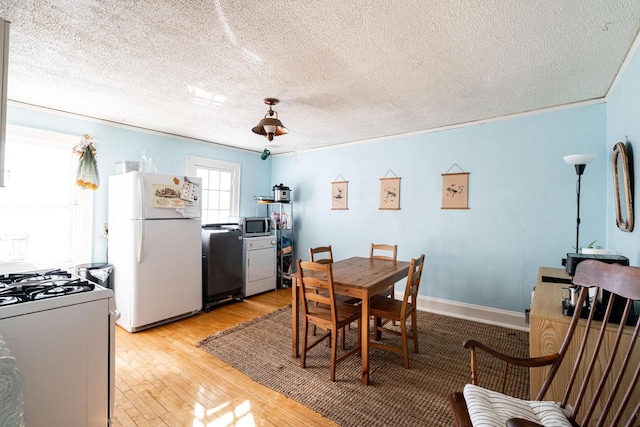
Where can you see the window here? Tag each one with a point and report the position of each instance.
(220, 188)
(45, 219)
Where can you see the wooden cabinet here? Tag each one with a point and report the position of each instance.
(548, 327)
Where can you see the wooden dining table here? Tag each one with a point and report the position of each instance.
(354, 277)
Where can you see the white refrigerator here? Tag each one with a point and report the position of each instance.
(155, 247)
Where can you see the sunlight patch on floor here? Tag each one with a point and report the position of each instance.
(223, 415)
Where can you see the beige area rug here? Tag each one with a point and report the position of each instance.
(261, 349)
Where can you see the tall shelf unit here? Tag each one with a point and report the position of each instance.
(281, 214)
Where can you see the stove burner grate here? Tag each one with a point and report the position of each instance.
(12, 296)
(23, 287)
(35, 276)
(56, 288)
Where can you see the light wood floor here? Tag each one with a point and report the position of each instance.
(164, 379)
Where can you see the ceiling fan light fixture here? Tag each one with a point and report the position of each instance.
(270, 126)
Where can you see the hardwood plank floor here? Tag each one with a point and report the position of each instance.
(164, 379)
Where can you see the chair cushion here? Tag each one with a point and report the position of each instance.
(489, 408)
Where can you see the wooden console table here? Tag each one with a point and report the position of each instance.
(548, 327)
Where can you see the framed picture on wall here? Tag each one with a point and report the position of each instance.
(339, 195)
(390, 193)
(455, 190)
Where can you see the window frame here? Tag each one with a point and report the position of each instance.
(82, 201)
(194, 162)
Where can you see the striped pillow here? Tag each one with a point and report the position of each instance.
(488, 408)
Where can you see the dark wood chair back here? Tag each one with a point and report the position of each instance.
(601, 387)
(616, 287)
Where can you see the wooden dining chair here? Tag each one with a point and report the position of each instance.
(604, 361)
(326, 257)
(388, 252)
(324, 311)
(324, 252)
(382, 307)
(322, 255)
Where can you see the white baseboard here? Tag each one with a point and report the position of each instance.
(477, 313)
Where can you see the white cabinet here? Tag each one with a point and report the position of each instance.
(4, 73)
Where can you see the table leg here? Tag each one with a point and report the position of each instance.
(295, 334)
(364, 340)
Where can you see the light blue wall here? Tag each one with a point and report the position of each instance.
(623, 121)
(521, 196)
(116, 143)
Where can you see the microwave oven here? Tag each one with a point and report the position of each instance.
(255, 226)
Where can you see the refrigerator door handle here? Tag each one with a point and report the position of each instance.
(142, 227)
(140, 196)
(141, 242)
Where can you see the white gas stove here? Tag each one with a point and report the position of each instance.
(61, 330)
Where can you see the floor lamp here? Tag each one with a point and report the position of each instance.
(580, 161)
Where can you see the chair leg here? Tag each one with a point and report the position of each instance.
(405, 349)
(303, 355)
(334, 354)
(414, 329)
(313, 327)
(392, 291)
(377, 323)
(343, 337)
(360, 338)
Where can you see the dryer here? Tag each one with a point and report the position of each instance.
(259, 270)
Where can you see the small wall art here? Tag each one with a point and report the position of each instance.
(455, 190)
(339, 195)
(390, 193)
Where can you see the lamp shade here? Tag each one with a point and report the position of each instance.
(270, 126)
(579, 159)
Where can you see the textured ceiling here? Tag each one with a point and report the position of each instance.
(344, 70)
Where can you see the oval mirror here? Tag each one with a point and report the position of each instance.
(622, 188)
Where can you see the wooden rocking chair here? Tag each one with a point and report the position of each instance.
(601, 389)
